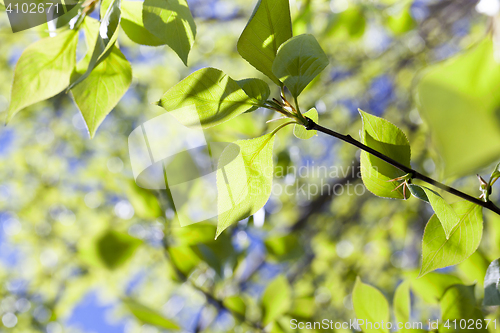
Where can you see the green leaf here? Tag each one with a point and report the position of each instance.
(304, 307)
(171, 21)
(115, 248)
(235, 304)
(350, 24)
(462, 93)
(149, 316)
(496, 173)
(402, 302)
(459, 303)
(249, 183)
(284, 247)
(133, 25)
(443, 210)
(401, 22)
(432, 286)
(473, 270)
(43, 70)
(383, 136)
(370, 305)
(184, 258)
(300, 131)
(145, 203)
(276, 299)
(207, 97)
(106, 39)
(439, 251)
(418, 192)
(268, 28)
(103, 88)
(256, 89)
(491, 284)
(298, 61)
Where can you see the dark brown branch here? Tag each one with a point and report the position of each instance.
(414, 174)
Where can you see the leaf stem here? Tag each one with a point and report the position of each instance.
(415, 174)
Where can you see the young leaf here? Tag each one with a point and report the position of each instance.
(431, 286)
(300, 131)
(383, 136)
(370, 305)
(115, 248)
(207, 97)
(256, 172)
(459, 303)
(402, 302)
(418, 192)
(496, 173)
(99, 93)
(256, 89)
(133, 25)
(184, 258)
(106, 39)
(149, 316)
(43, 70)
(235, 304)
(298, 61)
(443, 210)
(268, 28)
(491, 284)
(276, 299)
(439, 251)
(463, 95)
(171, 21)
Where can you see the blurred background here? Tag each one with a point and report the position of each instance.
(83, 249)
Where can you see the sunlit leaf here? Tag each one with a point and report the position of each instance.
(298, 61)
(133, 25)
(401, 22)
(183, 258)
(370, 305)
(439, 251)
(284, 247)
(43, 70)
(431, 286)
(300, 131)
(496, 173)
(207, 97)
(105, 39)
(304, 307)
(268, 28)
(115, 248)
(491, 284)
(462, 93)
(350, 24)
(402, 302)
(145, 203)
(149, 316)
(386, 138)
(171, 21)
(276, 299)
(459, 303)
(235, 304)
(252, 180)
(444, 212)
(473, 270)
(256, 89)
(103, 88)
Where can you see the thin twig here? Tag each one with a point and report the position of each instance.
(414, 174)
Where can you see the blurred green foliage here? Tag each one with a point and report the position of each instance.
(73, 221)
